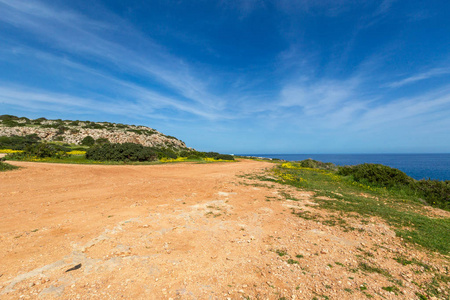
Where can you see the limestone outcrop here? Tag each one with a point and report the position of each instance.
(73, 132)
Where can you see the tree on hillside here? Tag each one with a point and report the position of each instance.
(88, 141)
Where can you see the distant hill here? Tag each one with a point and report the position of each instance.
(73, 132)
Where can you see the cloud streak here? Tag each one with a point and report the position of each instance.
(436, 72)
(78, 35)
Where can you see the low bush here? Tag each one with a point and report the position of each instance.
(165, 153)
(217, 156)
(224, 157)
(11, 123)
(314, 164)
(121, 152)
(41, 150)
(6, 167)
(100, 141)
(94, 126)
(436, 193)
(8, 118)
(377, 175)
(18, 142)
(88, 141)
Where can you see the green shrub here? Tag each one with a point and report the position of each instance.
(314, 164)
(377, 175)
(41, 150)
(62, 129)
(50, 126)
(224, 157)
(137, 131)
(11, 123)
(6, 167)
(216, 155)
(8, 118)
(93, 125)
(121, 152)
(100, 141)
(436, 193)
(184, 153)
(196, 154)
(39, 120)
(18, 142)
(88, 141)
(165, 153)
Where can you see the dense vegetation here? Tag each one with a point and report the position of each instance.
(121, 152)
(6, 167)
(434, 192)
(32, 148)
(18, 142)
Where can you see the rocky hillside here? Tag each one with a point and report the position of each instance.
(73, 132)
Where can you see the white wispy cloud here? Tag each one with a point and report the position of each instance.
(435, 72)
(79, 35)
(416, 111)
(30, 99)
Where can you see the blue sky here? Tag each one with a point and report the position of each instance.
(250, 76)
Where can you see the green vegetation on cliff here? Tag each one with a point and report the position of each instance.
(31, 148)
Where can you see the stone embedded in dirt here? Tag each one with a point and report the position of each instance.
(74, 268)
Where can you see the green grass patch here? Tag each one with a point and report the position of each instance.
(373, 269)
(392, 289)
(6, 167)
(405, 261)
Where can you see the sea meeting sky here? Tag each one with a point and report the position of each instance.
(250, 76)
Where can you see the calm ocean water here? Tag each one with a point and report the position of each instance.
(418, 166)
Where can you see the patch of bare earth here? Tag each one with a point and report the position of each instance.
(187, 231)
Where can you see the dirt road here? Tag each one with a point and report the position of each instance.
(178, 231)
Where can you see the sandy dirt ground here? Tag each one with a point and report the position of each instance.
(184, 231)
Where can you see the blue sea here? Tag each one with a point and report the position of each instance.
(418, 166)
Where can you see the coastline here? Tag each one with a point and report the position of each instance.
(434, 166)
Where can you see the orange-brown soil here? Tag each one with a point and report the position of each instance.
(185, 231)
